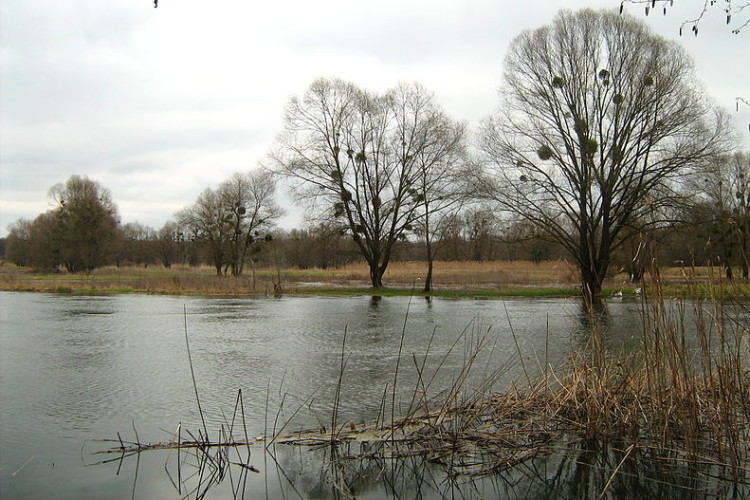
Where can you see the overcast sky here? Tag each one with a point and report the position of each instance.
(158, 104)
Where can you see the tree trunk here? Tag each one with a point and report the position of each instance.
(591, 286)
(428, 279)
(593, 261)
(376, 276)
(743, 252)
(218, 256)
(728, 271)
(637, 264)
(636, 274)
(430, 265)
(376, 273)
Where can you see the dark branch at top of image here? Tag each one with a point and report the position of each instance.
(731, 10)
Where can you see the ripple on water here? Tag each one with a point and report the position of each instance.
(76, 369)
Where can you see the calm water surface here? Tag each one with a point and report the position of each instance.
(77, 369)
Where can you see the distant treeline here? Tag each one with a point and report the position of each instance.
(705, 237)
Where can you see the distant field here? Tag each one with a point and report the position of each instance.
(510, 277)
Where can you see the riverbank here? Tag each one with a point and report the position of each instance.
(494, 278)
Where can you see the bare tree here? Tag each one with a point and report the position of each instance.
(481, 228)
(723, 208)
(439, 184)
(360, 157)
(36, 243)
(599, 118)
(248, 200)
(231, 218)
(19, 242)
(170, 243)
(208, 224)
(451, 241)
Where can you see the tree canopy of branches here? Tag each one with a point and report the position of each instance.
(599, 117)
(731, 10)
(136, 244)
(86, 223)
(27, 240)
(171, 244)
(322, 245)
(367, 159)
(232, 219)
(441, 179)
(723, 210)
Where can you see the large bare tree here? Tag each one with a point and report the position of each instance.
(364, 158)
(208, 223)
(600, 117)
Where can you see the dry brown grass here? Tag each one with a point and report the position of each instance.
(471, 274)
(459, 276)
(203, 280)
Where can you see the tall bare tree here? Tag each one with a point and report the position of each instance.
(207, 223)
(170, 243)
(440, 181)
(599, 118)
(361, 156)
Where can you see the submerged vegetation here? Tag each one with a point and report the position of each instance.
(672, 419)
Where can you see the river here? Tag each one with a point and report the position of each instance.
(76, 369)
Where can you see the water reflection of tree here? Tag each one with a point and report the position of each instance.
(617, 325)
(589, 471)
(584, 470)
(595, 316)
